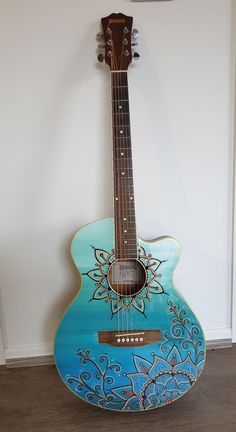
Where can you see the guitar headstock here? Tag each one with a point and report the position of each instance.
(117, 41)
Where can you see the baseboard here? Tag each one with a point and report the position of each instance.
(219, 343)
(25, 351)
(29, 361)
(218, 334)
(38, 355)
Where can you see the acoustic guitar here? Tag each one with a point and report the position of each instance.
(128, 341)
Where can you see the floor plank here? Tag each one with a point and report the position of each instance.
(34, 399)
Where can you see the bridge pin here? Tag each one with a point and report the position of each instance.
(136, 339)
(123, 340)
(127, 340)
(118, 340)
(141, 339)
(132, 339)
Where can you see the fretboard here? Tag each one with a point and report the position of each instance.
(124, 205)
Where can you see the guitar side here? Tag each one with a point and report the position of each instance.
(132, 377)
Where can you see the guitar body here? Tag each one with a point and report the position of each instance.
(100, 354)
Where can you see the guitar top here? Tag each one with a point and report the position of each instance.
(128, 341)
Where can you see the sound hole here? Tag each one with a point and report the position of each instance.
(127, 277)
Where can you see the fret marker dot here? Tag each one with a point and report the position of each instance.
(116, 198)
(131, 198)
(125, 231)
(122, 154)
(125, 241)
(121, 131)
(123, 173)
(120, 107)
(125, 219)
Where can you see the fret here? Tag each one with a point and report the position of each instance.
(121, 113)
(120, 125)
(123, 148)
(125, 186)
(121, 158)
(128, 207)
(128, 240)
(123, 177)
(126, 199)
(129, 223)
(128, 195)
(119, 143)
(124, 168)
(121, 137)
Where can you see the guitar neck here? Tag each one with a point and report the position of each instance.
(124, 203)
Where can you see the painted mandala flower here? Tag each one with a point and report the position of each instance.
(143, 383)
(157, 383)
(104, 292)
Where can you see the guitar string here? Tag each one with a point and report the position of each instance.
(115, 165)
(126, 180)
(124, 143)
(127, 192)
(130, 192)
(127, 188)
(118, 208)
(122, 196)
(130, 188)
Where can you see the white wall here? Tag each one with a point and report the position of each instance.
(55, 173)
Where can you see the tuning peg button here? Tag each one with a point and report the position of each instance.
(135, 33)
(100, 57)
(136, 56)
(100, 37)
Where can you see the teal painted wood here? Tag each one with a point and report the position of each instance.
(127, 378)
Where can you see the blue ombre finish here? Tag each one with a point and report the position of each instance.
(127, 378)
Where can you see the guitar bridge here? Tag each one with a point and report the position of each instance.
(129, 337)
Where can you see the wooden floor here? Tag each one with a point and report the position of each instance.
(35, 400)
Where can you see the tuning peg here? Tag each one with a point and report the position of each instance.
(100, 57)
(136, 56)
(100, 37)
(135, 33)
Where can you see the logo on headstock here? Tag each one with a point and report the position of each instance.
(116, 21)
